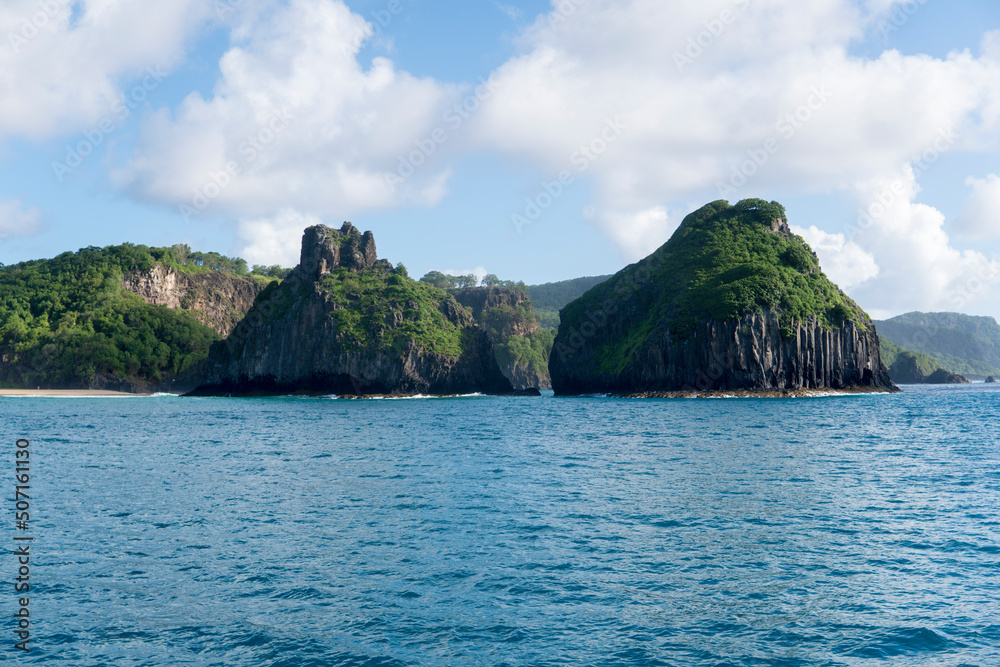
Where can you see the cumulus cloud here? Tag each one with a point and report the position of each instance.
(15, 220)
(708, 87)
(919, 267)
(62, 62)
(733, 99)
(274, 240)
(980, 218)
(295, 120)
(844, 262)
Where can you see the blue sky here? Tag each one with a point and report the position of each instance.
(444, 127)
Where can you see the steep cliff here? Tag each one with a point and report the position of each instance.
(217, 300)
(347, 323)
(732, 302)
(522, 348)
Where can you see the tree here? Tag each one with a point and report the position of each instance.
(466, 281)
(491, 280)
(181, 252)
(439, 280)
(401, 271)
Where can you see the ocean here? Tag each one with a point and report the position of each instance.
(847, 530)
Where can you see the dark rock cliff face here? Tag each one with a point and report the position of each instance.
(215, 299)
(507, 313)
(751, 353)
(294, 339)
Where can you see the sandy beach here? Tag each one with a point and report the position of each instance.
(56, 393)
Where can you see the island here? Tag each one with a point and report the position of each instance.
(346, 323)
(733, 302)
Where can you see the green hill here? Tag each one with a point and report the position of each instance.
(963, 344)
(733, 301)
(68, 323)
(550, 298)
(892, 352)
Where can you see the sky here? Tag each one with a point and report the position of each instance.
(538, 141)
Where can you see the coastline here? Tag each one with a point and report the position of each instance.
(764, 393)
(65, 393)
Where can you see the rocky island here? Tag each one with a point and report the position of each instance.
(733, 302)
(346, 323)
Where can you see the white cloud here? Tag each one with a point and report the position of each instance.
(63, 62)
(15, 220)
(768, 87)
(981, 217)
(638, 234)
(338, 129)
(919, 268)
(274, 240)
(692, 123)
(844, 262)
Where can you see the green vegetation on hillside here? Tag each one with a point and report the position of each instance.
(530, 351)
(66, 322)
(963, 344)
(723, 262)
(383, 309)
(726, 262)
(550, 298)
(891, 352)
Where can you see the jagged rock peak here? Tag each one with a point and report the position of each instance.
(324, 249)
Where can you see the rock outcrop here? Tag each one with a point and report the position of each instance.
(507, 315)
(734, 301)
(216, 299)
(347, 323)
(941, 376)
(906, 370)
(991, 380)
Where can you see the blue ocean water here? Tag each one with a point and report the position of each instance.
(855, 530)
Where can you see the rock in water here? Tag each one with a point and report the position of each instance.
(347, 323)
(941, 376)
(732, 302)
(991, 380)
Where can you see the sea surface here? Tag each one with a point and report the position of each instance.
(856, 530)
